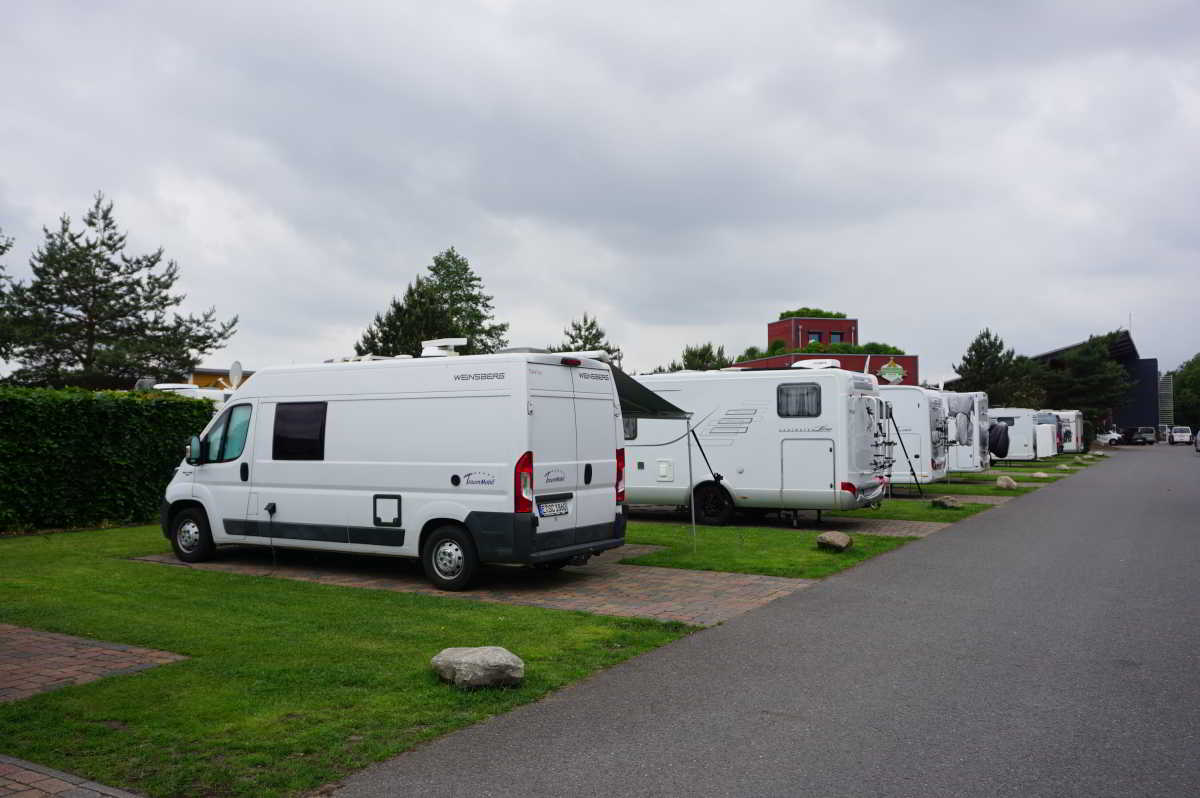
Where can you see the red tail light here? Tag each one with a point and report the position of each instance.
(850, 488)
(523, 484)
(620, 476)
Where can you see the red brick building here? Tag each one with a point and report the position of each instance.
(799, 332)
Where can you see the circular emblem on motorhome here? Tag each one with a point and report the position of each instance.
(892, 371)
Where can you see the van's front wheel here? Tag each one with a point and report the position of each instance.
(449, 558)
(190, 536)
(713, 506)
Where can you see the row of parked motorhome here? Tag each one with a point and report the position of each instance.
(531, 457)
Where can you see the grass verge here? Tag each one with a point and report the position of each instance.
(751, 550)
(958, 488)
(990, 477)
(290, 684)
(906, 510)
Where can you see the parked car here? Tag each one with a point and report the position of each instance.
(1144, 435)
(1180, 435)
(1112, 437)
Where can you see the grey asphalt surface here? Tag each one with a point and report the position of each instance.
(1047, 647)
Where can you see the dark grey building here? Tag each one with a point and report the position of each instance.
(1141, 409)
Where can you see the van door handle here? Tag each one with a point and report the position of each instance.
(587, 474)
(245, 472)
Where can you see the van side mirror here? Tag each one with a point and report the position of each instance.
(195, 452)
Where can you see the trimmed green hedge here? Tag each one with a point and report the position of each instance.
(72, 458)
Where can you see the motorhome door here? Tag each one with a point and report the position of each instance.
(223, 479)
(807, 469)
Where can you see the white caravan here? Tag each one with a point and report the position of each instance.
(780, 439)
(968, 430)
(1020, 431)
(1051, 445)
(919, 415)
(215, 395)
(1072, 430)
(505, 458)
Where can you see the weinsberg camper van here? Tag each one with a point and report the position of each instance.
(919, 415)
(505, 458)
(968, 430)
(1020, 431)
(779, 439)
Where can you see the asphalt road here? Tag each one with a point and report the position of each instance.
(1047, 647)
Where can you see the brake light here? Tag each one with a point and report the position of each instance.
(571, 361)
(620, 476)
(523, 484)
(850, 488)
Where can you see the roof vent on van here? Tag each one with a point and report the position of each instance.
(823, 363)
(441, 347)
(366, 358)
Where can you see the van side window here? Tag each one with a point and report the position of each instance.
(798, 400)
(235, 432)
(212, 441)
(630, 423)
(299, 431)
(1009, 420)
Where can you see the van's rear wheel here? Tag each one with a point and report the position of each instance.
(713, 506)
(449, 558)
(190, 536)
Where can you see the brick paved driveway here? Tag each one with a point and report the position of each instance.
(21, 779)
(604, 586)
(32, 662)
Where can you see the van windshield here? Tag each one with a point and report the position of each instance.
(1188, 430)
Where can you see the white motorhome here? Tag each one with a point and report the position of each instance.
(505, 458)
(1072, 430)
(216, 395)
(968, 430)
(1051, 445)
(919, 416)
(780, 439)
(1019, 421)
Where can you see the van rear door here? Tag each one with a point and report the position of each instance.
(596, 446)
(555, 460)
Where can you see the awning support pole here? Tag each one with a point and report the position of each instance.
(691, 492)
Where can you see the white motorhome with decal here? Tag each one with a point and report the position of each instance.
(968, 430)
(1021, 442)
(507, 458)
(780, 439)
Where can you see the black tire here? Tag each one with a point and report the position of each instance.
(449, 558)
(191, 537)
(713, 505)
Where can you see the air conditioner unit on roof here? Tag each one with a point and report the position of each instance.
(824, 363)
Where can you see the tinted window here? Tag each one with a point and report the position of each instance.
(212, 441)
(299, 431)
(1009, 420)
(835, 338)
(798, 401)
(630, 423)
(814, 337)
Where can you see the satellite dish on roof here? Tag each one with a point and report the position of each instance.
(235, 374)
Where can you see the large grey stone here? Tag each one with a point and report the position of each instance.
(1006, 483)
(946, 503)
(483, 666)
(1063, 467)
(1040, 474)
(835, 541)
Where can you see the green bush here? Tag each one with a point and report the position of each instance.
(811, 313)
(71, 457)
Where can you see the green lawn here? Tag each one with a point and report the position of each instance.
(751, 550)
(941, 488)
(990, 476)
(290, 684)
(907, 510)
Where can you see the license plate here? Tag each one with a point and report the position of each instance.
(552, 508)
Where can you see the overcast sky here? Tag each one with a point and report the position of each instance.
(684, 171)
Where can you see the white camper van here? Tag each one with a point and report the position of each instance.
(780, 439)
(506, 458)
(1049, 443)
(919, 415)
(968, 430)
(217, 396)
(1020, 431)
(1072, 430)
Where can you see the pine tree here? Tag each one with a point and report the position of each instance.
(93, 315)
(985, 365)
(448, 302)
(701, 357)
(6, 331)
(586, 335)
(1089, 380)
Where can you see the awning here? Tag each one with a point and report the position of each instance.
(638, 401)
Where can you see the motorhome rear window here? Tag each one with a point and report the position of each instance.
(798, 400)
(1009, 420)
(630, 423)
(299, 431)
